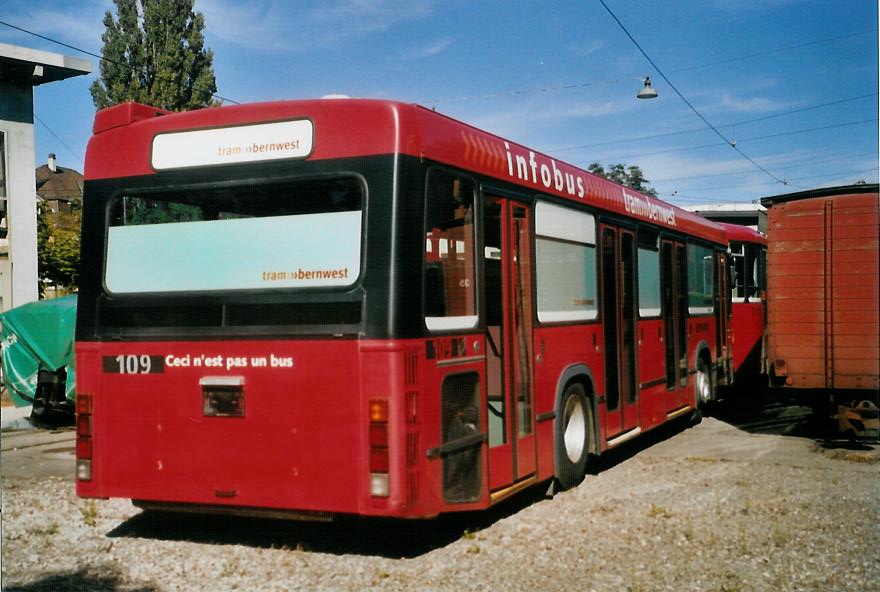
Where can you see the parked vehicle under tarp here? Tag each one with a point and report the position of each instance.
(36, 351)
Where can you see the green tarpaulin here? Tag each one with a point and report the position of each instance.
(33, 336)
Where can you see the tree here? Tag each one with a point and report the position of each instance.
(58, 248)
(155, 53)
(629, 176)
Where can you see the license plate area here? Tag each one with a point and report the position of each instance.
(222, 396)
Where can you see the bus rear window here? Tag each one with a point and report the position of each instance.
(294, 235)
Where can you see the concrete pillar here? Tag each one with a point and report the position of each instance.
(17, 127)
(21, 69)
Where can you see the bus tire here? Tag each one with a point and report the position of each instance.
(573, 429)
(703, 391)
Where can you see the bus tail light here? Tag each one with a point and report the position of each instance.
(379, 460)
(84, 426)
(83, 437)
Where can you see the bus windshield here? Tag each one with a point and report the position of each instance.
(254, 237)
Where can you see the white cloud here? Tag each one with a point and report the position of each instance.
(748, 6)
(587, 47)
(356, 17)
(532, 122)
(276, 26)
(751, 105)
(82, 27)
(727, 178)
(426, 51)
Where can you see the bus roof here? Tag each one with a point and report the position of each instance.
(738, 232)
(125, 144)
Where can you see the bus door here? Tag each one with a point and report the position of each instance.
(508, 311)
(619, 324)
(723, 347)
(673, 282)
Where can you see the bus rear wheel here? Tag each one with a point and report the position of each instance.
(573, 429)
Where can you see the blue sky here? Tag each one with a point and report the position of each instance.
(798, 78)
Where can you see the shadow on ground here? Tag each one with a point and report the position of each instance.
(785, 413)
(389, 538)
(78, 581)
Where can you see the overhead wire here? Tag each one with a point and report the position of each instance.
(686, 101)
(785, 168)
(587, 84)
(703, 129)
(678, 196)
(575, 85)
(523, 91)
(771, 51)
(746, 139)
(94, 55)
(57, 137)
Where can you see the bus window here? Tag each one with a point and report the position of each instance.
(754, 271)
(749, 271)
(295, 235)
(701, 279)
(565, 264)
(649, 273)
(738, 289)
(450, 292)
(762, 272)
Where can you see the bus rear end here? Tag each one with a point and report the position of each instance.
(220, 423)
(222, 334)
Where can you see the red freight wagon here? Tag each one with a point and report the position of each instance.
(823, 272)
(309, 308)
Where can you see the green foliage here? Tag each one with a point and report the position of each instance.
(58, 248)
(629, 176)
(134, 211)
(154, 53)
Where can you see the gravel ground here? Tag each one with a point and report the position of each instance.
(713, 507)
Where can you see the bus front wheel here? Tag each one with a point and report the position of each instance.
(703, 392)
(573, 428)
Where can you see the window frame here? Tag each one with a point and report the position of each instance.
(455, 323)
(696, 311)
(648, 313)
(565, 317)
(150, 193)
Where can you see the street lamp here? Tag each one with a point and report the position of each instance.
(648, 91)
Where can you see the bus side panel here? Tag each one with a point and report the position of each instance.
(748, 328)
(652, 373)
(560, 348)
(293, 448)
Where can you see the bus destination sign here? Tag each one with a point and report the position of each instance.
(231, 145)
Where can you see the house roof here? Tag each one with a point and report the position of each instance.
(64, 183)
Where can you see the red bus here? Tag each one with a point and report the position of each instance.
(748, 296)
(312, 308)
